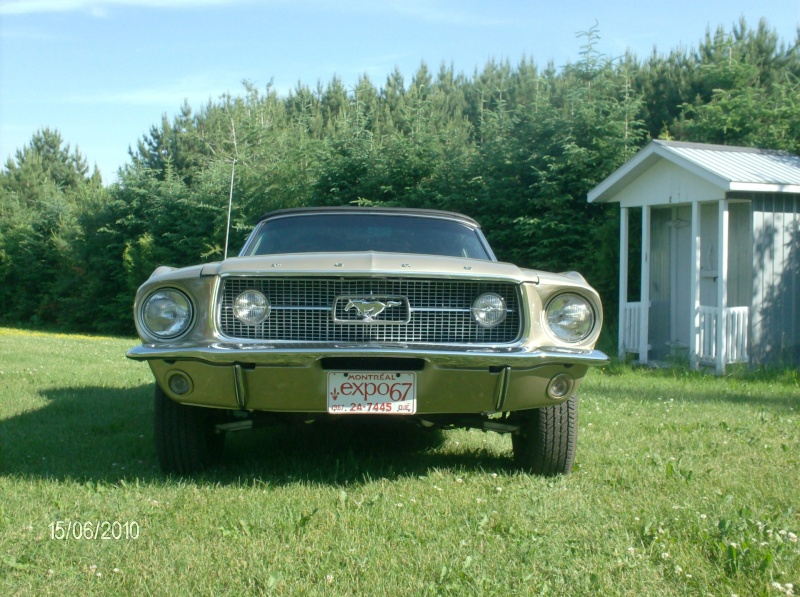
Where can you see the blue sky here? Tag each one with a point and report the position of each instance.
(103, 72)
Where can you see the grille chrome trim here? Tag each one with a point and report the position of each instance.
(435, 311)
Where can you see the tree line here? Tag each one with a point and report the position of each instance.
(515, 146)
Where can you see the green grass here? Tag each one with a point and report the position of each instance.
(685, 484)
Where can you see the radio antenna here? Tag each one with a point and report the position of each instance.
(230, 198)
(230, 207)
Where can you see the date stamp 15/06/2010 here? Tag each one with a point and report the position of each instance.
(94, 530)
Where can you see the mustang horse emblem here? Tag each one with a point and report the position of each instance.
(369, 309)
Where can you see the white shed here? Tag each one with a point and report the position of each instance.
(720, 253)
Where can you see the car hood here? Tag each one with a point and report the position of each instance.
(367, 263)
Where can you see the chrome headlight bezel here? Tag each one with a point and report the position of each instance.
(175, 305)
(568, 310)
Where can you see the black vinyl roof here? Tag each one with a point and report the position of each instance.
(352, 209)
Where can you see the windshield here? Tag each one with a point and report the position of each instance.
(337, 232)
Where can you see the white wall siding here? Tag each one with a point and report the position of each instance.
(667, 184)
(740, 254)
(775, 317)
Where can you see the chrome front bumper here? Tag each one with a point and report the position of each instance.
(228, 353)
(291, 378)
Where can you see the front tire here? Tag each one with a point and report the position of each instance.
(185, 437)
(547, 439)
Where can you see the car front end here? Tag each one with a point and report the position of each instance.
(444, 340)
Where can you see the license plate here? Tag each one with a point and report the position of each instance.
(372, 392)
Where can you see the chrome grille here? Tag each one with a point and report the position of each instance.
(432, 311)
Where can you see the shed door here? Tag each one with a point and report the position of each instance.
(670, 282)
(681, 271)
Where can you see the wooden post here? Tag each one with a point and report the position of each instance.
(694, 301)
(623, 279)
(645, 310)
(722, 285)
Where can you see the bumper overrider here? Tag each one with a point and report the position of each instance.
(293, 378)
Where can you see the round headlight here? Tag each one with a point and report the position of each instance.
(489, 310)
(167, 313)
(570, 317)
(251, 307)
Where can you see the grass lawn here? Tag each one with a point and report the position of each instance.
(685, 484)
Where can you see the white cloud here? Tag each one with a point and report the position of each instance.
(97, 7)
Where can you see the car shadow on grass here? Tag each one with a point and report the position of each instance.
(355, 451)
(102, 434)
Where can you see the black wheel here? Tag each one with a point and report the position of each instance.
(186, 441)
(546, 441)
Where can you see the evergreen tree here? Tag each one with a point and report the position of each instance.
(516, 146)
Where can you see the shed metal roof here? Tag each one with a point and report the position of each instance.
(730, 168)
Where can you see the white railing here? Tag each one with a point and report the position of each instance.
(735, 335)
(631, 326)
(707, 334)
(736, 324)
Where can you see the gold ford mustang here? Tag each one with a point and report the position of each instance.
(358, 312)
